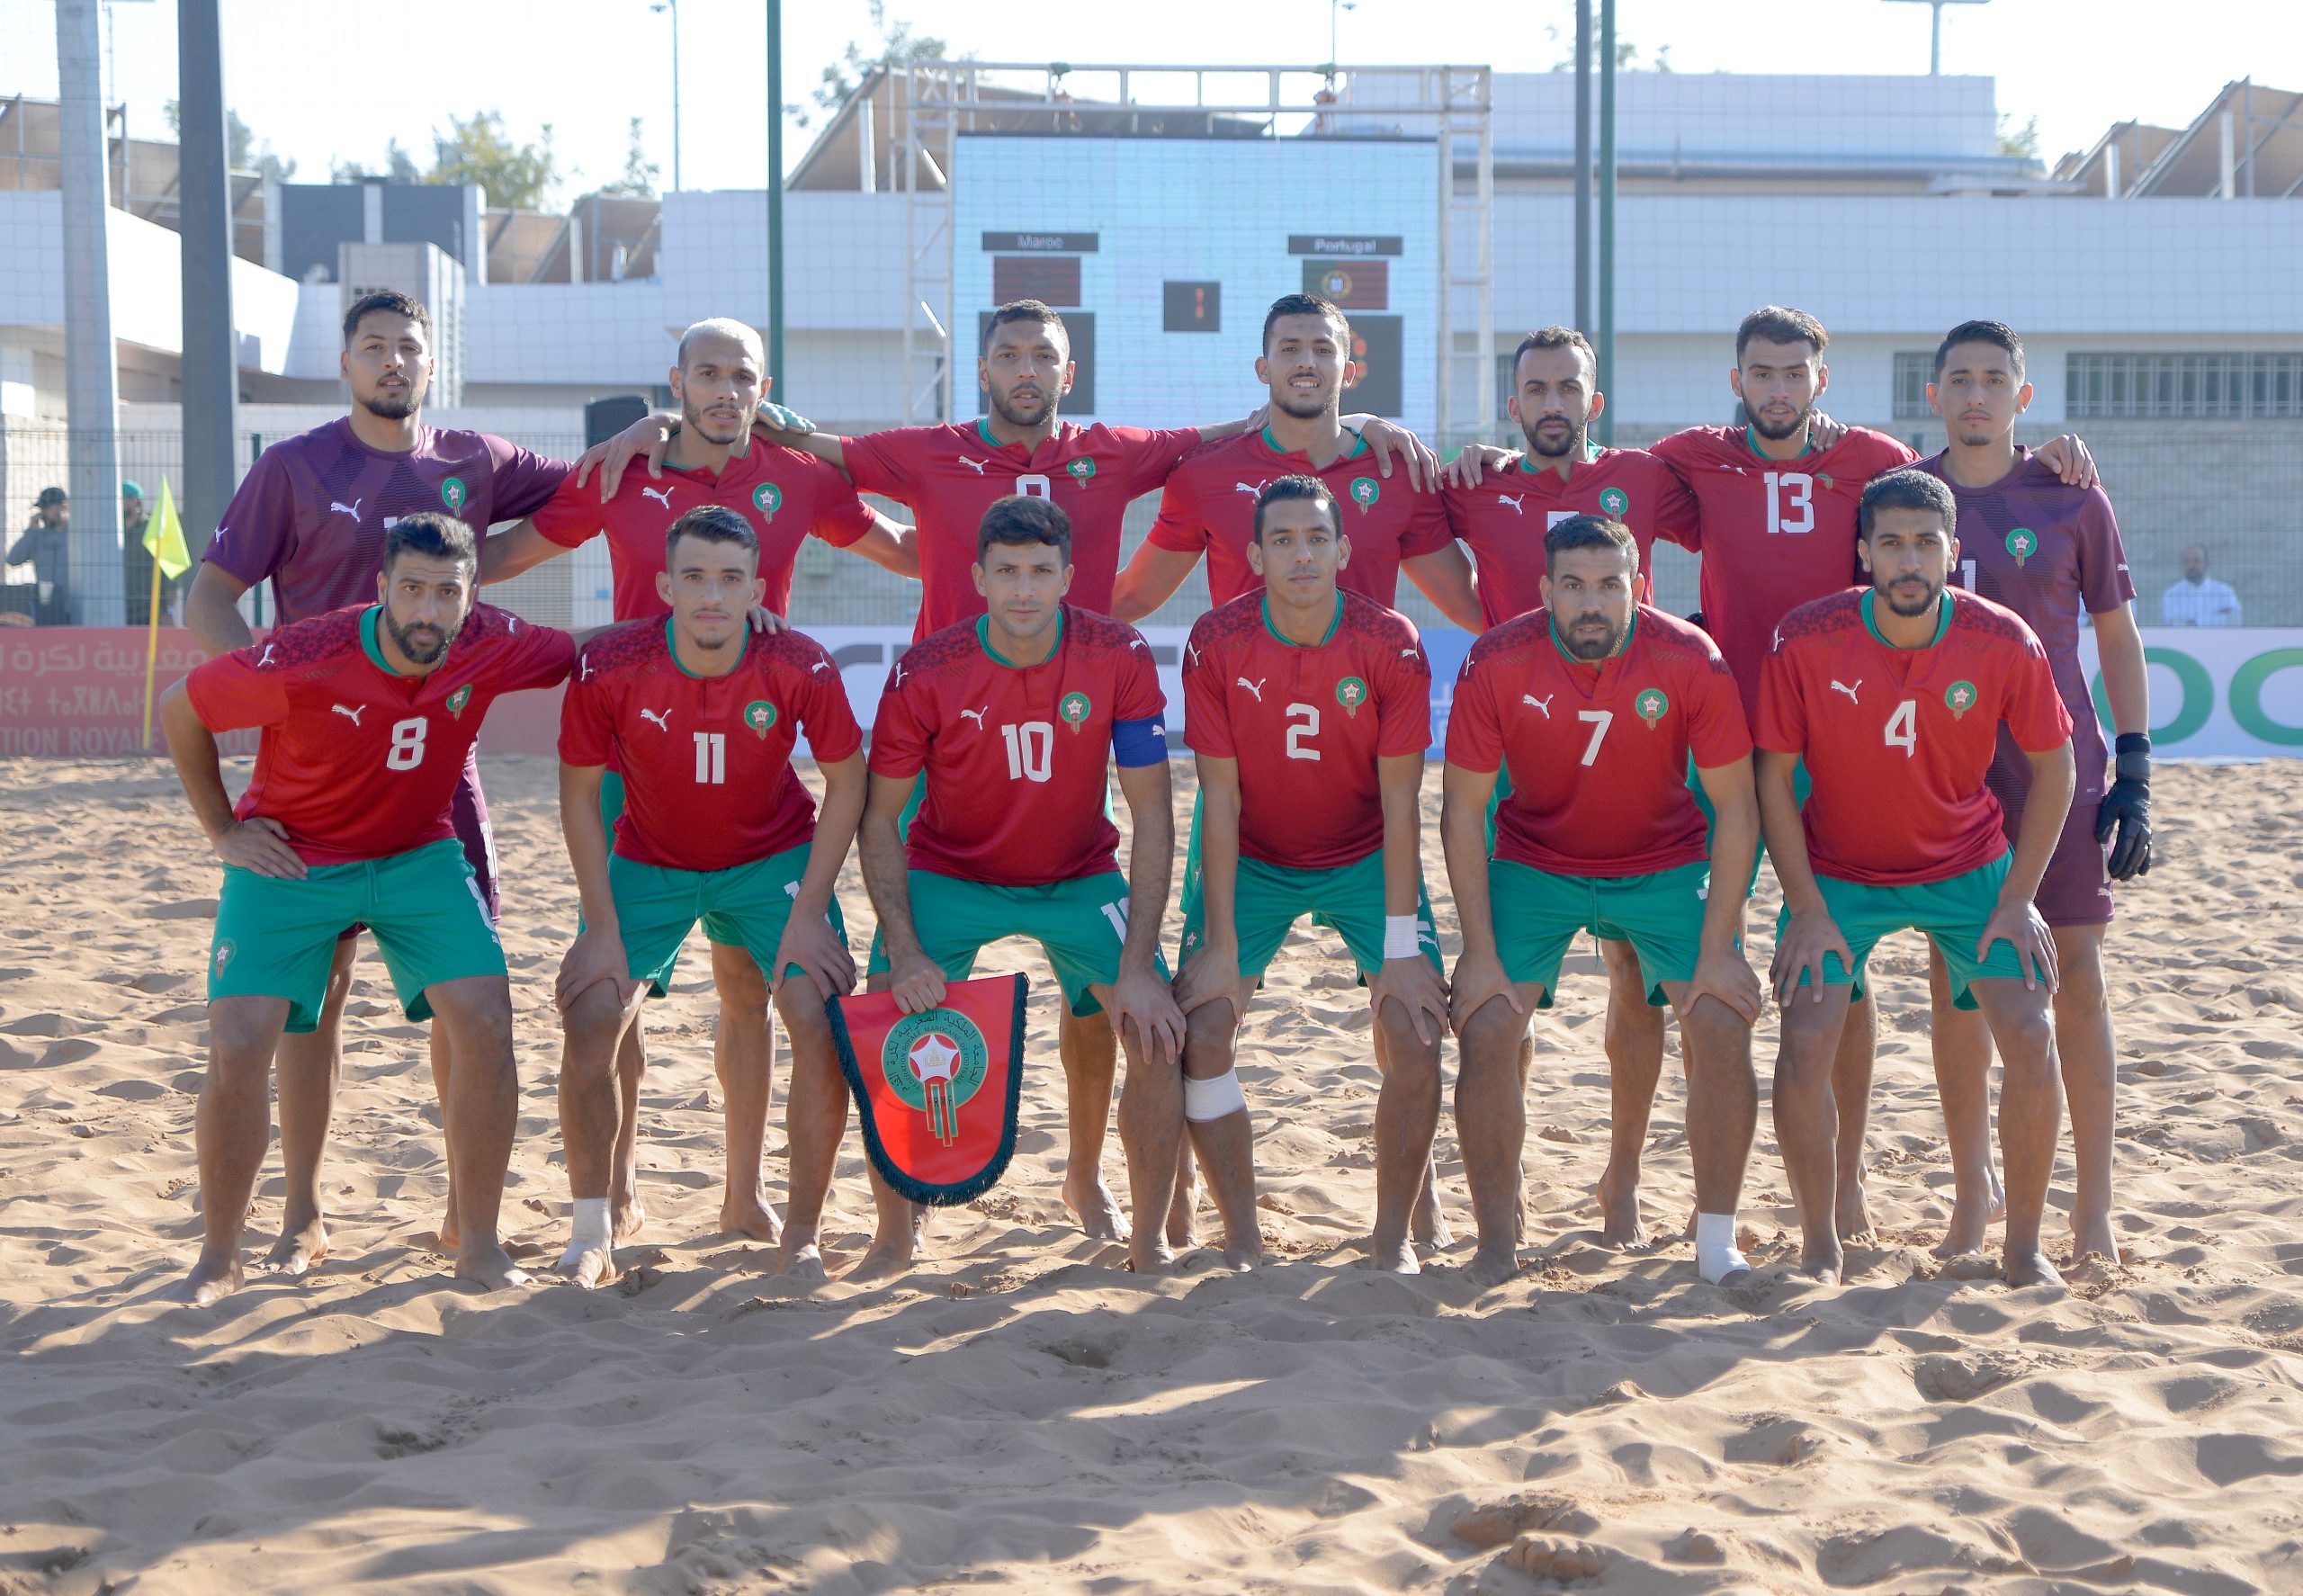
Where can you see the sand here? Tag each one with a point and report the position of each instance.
(1022, 1413)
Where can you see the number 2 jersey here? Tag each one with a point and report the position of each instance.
(357, 761)
(708, 782)
(1898, 740)
(1015, 756)
(1306, 722)
(1597, 751)
(1774, 533)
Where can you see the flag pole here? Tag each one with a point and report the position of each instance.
(151, 654)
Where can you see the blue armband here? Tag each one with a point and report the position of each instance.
(1139, 742)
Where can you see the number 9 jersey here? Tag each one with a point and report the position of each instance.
(357, 761)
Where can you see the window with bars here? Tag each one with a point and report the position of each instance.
(2222, 386)
(1914, 372)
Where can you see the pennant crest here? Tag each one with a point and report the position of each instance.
(938, 1092)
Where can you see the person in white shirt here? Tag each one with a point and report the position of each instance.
(2199, 599)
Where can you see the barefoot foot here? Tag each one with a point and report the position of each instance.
(2092, 1237)
(1492, 1265)
(1854, 1213)
(211, 1280)
(2029, 1267)
(590, 1266)
(1826, 1266)
(1094, 1206)
(748, 1216)
(299, 1247)
(799, 1258)
(1965, 1233)
(1622, 1226)
(488, 1264)
(626, 1216)
(1393, 1257)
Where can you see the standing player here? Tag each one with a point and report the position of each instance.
(367, 715)
(1309, 710)
(785, 496)
(1210, 503)
(2047, 551)
(700, 714)
(1595, 705)
(1014, 719)
(1895, 695)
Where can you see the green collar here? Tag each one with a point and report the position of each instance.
(1290, 642)
(672, 647)
(1751, 442)
(1559, 642)
(1942, 621)
(983, 431)
(1528, 465)
(1359, 444)
(983, 638)
(369, 617)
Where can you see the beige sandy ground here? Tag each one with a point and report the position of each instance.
(1022, 1413)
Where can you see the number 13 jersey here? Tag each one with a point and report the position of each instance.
(1898, 740)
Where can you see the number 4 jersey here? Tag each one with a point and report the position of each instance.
(356, 761)
(708, 782)
(1898, 740)
(1015, 756)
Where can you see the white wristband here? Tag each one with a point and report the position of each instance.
(1402, 937)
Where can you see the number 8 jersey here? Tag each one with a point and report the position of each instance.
(1016, 757)
(357, 761)
(1898, 740)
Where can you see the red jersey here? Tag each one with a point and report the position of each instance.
(357, 761)
(1016, 757)
(1505, 517)
(311, 514)
(1210, 505)
(948, 476)
(1597, 751)
(1774, 533)
(708, 782)
(786, 495)
(1898, 740)
(1307, 723)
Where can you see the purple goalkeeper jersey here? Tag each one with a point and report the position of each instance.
(311, 516)
(2046, 551)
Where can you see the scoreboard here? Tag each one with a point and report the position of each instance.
(1166, 303)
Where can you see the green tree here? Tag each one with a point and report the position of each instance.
(2023, 141)
(638, 179)
(516, 176)
(398, 166)
(1562, 35)
(240, 151)
(896, 45)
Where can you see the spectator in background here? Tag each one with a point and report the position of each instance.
(2199, 599)
(45, 546)
(136, 562)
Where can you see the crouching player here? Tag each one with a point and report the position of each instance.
(367, 714)
(700, 714)
(1595, 703)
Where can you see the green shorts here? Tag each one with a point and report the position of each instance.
(744, 906)
(1951, 913)
(1801, 785)
(1079, 924)
(1268, 900)
(1537, 913)
(276, 938)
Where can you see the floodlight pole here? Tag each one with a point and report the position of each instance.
(1605, 350)
(211, 388)
(1582, 163)
(1935, 30)
(90, 382)
(775, 199)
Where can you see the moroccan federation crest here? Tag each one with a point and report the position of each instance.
(937, 1092)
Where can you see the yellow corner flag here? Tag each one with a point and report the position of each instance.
(164, 541)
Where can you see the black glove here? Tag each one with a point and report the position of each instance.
(2126, 808)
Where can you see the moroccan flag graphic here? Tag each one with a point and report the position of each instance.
(936, 1091)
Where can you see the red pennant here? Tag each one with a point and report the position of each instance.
(938, 1092)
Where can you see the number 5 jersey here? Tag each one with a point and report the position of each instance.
(356, 761)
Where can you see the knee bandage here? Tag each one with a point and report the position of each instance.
(1215, 1098)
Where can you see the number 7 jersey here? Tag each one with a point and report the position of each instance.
(1898, 740)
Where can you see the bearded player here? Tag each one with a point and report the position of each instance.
(1014, 719)
(1596, 704)
(786, 497)
(1895, 695)
(2050, 553)
(367, 716)
(1308, 710)
(700, 714)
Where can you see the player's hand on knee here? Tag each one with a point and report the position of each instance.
(1801, 950)
(763, 619)
(260, 845)
(1725, 974)
(1475, 461)
(918, 984)
(1140, 999)
(2019, 925)
(1479, 979)
(1416, 986)
(818, 950)
(1212, 972)
(594, 956)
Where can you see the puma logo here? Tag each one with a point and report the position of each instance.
(818, 665)
(660, 719)
(1844, 687)
(584, 674)
(976, 715)
(974, 465)
(1134, 642)
(336, 506)
(1506, 498)
(1191, 651)
(1243, 488)
(352, 715)
(662, 496)
(266, 658)
(1542, 703)
(1254, 687)
(1407, 653)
